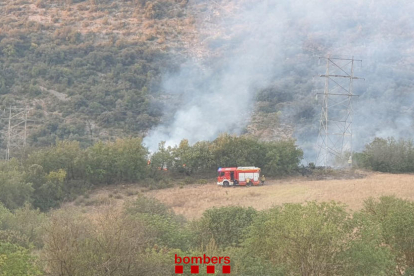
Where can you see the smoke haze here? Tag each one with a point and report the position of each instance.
(275, 44)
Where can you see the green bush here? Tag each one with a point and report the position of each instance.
(167, 228)
(16, 260)
(103, 163)
(388, 155)
(51, 193)
(320, 239)
(122, 160)
(226, 225)
(274, 158)
(396, 221)
(28, 224)
(150, 206)
(75, 245)
(15, 191)
(243, 263)
(113, 243)
(66, 155)
(14, 237)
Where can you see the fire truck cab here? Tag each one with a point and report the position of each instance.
(237, 176)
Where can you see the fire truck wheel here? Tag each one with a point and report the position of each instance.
(225, 184)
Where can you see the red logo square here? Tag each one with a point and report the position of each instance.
(210, 269)
(194, 269)
(226, 269)
(179, 269)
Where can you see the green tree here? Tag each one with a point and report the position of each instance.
(114, 162)
(202, 158)
(162, 159)
(282, 158)
(99, 166)
(131, 159)
(274, 158)
(15, 191)
(388, 155)
(66, 155)
(52, 192)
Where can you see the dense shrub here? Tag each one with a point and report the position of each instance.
(226, 225)
(122, 160)
(167, 228)
(48, 176)
(317, 239)
(246, 264)
(396, 221)
(275, 158)
(75, 246)
(293, 239)
(52, 192)
(102, 163)
(62, 172)
(16, 260)
(150, 206)
(22, 227)
(15, 191)
(113, 243)
(387, 155)
(66, 155)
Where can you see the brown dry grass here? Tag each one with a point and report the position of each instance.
(113, 196)
(125, 19)
(192, 200)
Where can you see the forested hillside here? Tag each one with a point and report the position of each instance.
(89, 69)
(99, 69)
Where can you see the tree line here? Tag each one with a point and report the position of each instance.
(276, 158)
(48, 176)
(387, 155)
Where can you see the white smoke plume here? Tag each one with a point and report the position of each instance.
(276, 43)
(220, 96)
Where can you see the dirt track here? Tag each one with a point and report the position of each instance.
(192, 200)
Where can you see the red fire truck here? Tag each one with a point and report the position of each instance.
(238, 176)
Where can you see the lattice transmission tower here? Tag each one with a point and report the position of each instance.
(334, 143)
(16, 132)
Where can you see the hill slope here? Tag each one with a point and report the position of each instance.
(100, 69)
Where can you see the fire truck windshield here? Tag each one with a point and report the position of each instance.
(221, 173)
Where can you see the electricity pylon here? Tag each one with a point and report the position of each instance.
(335, 124)
(16, 134)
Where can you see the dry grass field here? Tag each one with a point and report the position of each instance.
(192, 200)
